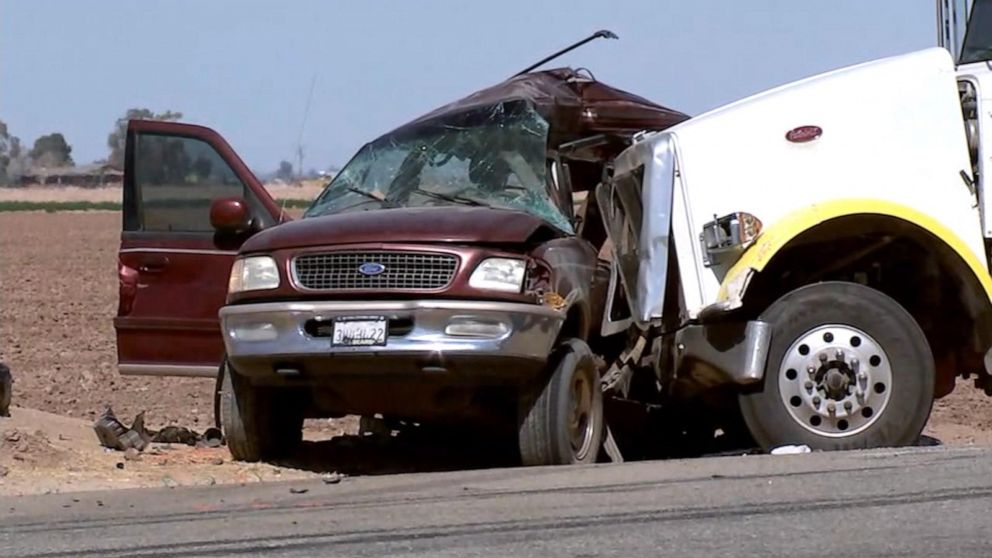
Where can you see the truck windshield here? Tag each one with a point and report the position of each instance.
(977, 45)
(495, 156)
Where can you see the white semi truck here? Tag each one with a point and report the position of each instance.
(821, 248)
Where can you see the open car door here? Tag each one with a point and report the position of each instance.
(173, 265)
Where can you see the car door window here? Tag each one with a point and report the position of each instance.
(176, 178)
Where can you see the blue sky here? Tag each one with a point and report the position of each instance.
(245, 67)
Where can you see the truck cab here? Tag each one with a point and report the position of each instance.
(818, 251)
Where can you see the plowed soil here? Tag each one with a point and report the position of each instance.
(58, 284)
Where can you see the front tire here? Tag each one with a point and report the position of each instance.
(258, 423)
(564, 425)
(848, 368)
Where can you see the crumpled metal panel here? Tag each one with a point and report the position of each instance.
(637, 207)
(574, 104)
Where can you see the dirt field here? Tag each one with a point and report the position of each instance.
(308, 190)
(59, 295)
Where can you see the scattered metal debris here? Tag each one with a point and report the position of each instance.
(332, 478)
(114, 435)
(299, 490)
(790, 450)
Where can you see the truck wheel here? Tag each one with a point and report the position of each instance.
(847, 368)
(258, 423)
(564, 425)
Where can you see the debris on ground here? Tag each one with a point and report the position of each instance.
(332, 478)
(295, 490)
(791, 450)
(6, 387)
(114, 435)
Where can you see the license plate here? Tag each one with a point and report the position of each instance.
(359, 332)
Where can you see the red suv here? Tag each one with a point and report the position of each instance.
(442, 275)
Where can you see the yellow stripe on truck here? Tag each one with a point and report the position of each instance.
(774, 237)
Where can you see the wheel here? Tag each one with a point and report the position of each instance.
(257, 423)
(847, 368)
(564, 425)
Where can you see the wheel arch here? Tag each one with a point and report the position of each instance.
(893, 249)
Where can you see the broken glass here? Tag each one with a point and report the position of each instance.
(494, 156)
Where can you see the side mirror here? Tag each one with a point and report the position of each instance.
(230, 215)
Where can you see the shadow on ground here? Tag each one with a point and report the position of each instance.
(408, 451)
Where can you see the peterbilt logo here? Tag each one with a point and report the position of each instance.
(371, 268)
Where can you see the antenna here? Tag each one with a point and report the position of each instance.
(601, 34)
(299, 138)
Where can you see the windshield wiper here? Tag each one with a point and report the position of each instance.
(453, 199)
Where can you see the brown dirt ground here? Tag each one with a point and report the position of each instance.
(306, 190)
(58, 295)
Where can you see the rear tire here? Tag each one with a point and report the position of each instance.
(564, 425)
(848, 368)
(258, 423)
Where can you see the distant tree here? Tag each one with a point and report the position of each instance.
(285, 172)
(11, 155)
(51, 151)
(118, 137)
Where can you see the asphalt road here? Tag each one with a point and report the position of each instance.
(919, 502)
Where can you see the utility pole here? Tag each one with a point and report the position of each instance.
(299, 137)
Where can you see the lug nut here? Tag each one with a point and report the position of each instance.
(840, 354)
(831, 408)
(848, 405)
(823, 357)
(816, 402)
(809, 386)
(855, 363)
(810, 370)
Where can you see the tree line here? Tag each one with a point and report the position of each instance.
(52, 150)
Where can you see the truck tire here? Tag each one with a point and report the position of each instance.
(6, 386)
(848, 368)
(258, 423)
(564, 424)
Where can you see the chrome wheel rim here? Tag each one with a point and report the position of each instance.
(835, 380)
(580, 423)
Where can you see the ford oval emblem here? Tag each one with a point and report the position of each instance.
(371, 268)
(804, 134)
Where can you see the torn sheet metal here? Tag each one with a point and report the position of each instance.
(114, 435)
(637, 211)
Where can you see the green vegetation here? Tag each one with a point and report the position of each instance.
(54, 206)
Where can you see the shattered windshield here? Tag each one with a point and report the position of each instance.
(978, 37)
(490, 157)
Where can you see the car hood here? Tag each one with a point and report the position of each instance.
(467, 225)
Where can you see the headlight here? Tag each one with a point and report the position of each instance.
(724, 239)
(498, 274)
(252, 274)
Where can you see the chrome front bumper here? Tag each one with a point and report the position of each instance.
(274, 331)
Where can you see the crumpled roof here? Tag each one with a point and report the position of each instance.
(574, 104)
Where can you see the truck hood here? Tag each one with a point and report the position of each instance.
(466, 225)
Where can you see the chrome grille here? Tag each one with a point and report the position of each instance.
(401, 270)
